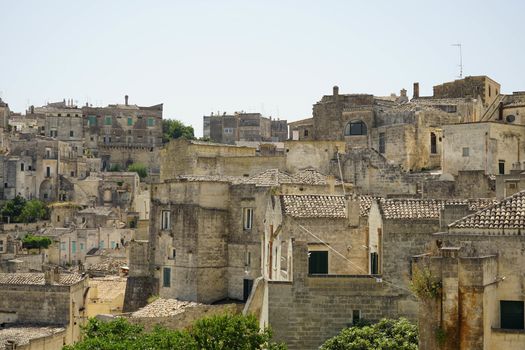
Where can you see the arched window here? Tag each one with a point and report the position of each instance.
(356, 127)
(433, 144)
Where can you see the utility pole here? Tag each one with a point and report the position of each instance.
(460, 60)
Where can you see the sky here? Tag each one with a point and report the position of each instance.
(274, 57)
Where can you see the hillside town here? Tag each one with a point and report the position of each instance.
(371, 207)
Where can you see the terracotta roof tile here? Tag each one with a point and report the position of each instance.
(507, 214)
(37, 278)
(310, 206)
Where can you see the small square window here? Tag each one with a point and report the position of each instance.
(466, 151)
(511, 313)
(151, 122)
(108, 121)
(130, 121)
(166, 277)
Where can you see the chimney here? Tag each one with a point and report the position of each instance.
(56, 275)
(416, 90)
(32, 108)
(352, 210)
(126, 99)
(335, 90)
(403, 93)
(330, 181)
(49, 276)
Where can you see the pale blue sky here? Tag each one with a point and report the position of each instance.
(278, 57)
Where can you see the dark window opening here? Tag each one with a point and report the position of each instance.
(48, 172)
(374, 263)
(318, 262)
(355, 128)
(247, 289)
(511, 313)
(356, 316)
(166, 277)
(21, 166)
(433, 143)
(501, 167)
(306, 133)
(382, 145)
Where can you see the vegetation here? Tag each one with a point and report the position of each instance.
(33, 242)
(215, 333)
(386, 334)
(140, 169)
(173, 129)
(424, 285)
(19, 210)
(115, 168)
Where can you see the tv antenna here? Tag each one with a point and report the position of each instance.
(460, 60)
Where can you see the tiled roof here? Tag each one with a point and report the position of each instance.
(507, 214)
(310, 177)
(164, 308)
(314, 206)
(37, 278)
(425, 208)
(22, 334)
(210, 178)
(365, 202)
(270, 177)
(103, 211)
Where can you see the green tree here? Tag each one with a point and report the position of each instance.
(13, 208)
(140, 169)
(215, 333)
(173, 129)
(115, 168)
(33, 211)
(32, 242)
(386, 334)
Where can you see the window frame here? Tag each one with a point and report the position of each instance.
(351, 131)
(166, 277)
(247, 218)
(165, 220)
(506, 323)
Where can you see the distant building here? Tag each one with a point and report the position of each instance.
(243, 126)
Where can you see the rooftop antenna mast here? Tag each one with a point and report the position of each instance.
(460, 60)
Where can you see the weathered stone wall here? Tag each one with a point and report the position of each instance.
(309, 310)
(316, 154)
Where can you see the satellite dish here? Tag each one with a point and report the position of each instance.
(510, 118)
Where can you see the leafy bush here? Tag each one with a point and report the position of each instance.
(139, 168)
(424, 285)
(32, 242)
(20, 210)
(386, 334)
(215, 333)
(174, 129)
(115, 168)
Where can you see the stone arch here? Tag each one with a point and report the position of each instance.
(356, 128)
(46, 191)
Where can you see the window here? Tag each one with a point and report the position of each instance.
(81, 246)
(48, 171)
(101, 244)
(466, 151)
(356, 127)
(58, 218)
(21, 166)
(433, 143)
(247, 218)
(166, 277)
(166, 220)
(92, 120)
(228, 130)
(151, 122)
(73, 247)
(247, 259)
(112, 244)
(72, 174)
(130, 121)
(382, 142)
(490, 90)
(306, 133)
(71, 133)
(356, 316)
(108, 121)
(63, 246)
(173, 253)
(1, 246)
(374, 263)
(318, 262)
(511, 313)
(501, 167)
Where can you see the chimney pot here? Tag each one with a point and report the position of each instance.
(336, 90)
(126, 99)
(416, 90)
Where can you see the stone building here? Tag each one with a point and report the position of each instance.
(242, 126)
(4, 114)
(479, 268)
(122, 134)
(472, 86)
(44, 299)
(62, 120)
